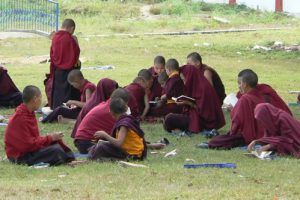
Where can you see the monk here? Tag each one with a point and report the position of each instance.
(244, 128)
(10, 96)
(174, 87)
(23, 143)
(210, 74)
(162, 79)
(155, 70)
(64, 55)
(138, 102)
(71, 110)
(125, 141)
(148, 78)
(281, 131)
(104, 89)
(98, 119)
(203, 113)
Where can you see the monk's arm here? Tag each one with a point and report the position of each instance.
(115, 141)
(88, 94)
(147, 106)
(75, 103)
(208, 76)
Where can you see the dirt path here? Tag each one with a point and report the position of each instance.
(146, 14)
(7, 35)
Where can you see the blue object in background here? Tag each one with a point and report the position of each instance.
(214, 165)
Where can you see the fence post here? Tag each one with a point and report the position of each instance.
(232, 2)
(57, 16)
(278, 5)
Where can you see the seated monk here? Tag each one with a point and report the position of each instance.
(155, 70)
(244, 128)
(64, 56)
(281, 131)
(174, 87)
(98, 119)
(73, 107)
(126, 139)
(23, 143)
(210, 74)
(138, 101)
(162, 79)
(104, 89)
(10, 96)
(204, 113)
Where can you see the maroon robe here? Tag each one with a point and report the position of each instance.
(104, 89)
(208, 113)
(217, 82)
(87, 85)
(156, 89)
(136, 98)
(174, 87)
(244, 128)
(22, 135)
(64, 55)
(270, 96)
(10, 96)
(282, 131)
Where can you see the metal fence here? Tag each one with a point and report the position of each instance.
(40, 16)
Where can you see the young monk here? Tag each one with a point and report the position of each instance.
(174, 87)
(23, 143)
(162, 79)
(10, 96)
(86, 88)
(244, 128)
(138, 102)
(210, 74)
(127, 138)
(148, 78)
(98, 119)
(104, 89)
(64, 55)
(281, 131)
(204, 113)
(155, 70)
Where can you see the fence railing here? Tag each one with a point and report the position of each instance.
(40, 16)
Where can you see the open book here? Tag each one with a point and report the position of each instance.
(183, 98)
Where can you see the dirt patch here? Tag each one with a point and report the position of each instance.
(146, 14)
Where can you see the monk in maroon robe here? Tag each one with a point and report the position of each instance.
(23, 143)
(156, 69)
(138, 101)
(64, 55)
(281, 131)
(104, 89)
(210, 74)
(174, 87)
(244, 128)
(10, 96)
(205, 112)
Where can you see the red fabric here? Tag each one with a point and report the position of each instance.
(242, 117)
(104, 89)
(86, 85)
(217, 82)
(98, 119)
(272, 97)
(208, 114)
(282, 131)
(6, 84)
(64, 52)
(174, 87)
(22, 134)
(156, 89)
(136, 99)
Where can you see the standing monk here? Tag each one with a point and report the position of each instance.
(64, 55)
(210, 74)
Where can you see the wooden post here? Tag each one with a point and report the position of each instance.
(232, 2)
(278, 5)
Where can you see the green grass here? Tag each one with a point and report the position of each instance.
(165, 178)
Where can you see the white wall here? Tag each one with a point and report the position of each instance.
(266, 5)
(215, 1)
(292, 6)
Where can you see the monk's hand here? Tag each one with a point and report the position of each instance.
(57, 136)
(70, 103)
(100, 134)
(251, 145)
(263, 148)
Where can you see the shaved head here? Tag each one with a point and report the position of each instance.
(120, 93)
(249, 77)
(146, 74)
(74, 75)
(172, 64)
(195, 57)
(30, 92)
(68, 23)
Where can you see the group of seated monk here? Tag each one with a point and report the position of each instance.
(107, 118)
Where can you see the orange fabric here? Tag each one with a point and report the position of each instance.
(133, 143)
(173, 74)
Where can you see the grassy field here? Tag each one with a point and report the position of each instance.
(165, 178)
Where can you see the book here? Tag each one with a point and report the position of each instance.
(183, 98)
